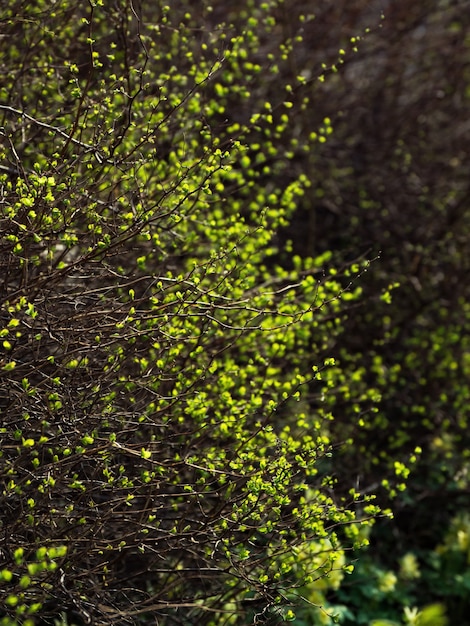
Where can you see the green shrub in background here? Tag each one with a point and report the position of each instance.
(394, 181)
(392, 178)
(377, 596)
(166, 450)
(186, 306)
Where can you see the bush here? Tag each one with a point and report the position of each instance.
(166, 450)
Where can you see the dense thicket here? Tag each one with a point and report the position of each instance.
(233, 307)
(165, 438)
(392, 180)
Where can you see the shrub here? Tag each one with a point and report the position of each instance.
(165, 439)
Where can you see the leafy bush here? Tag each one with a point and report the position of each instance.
(166, 449)
(392, 180)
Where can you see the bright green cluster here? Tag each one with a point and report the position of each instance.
(172, 381)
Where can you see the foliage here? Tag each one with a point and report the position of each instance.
(392, 180)
(377, 596)
(186, 306)
(166, 380)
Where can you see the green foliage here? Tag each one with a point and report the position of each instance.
(392, 179)
(203, 380)
(378, 596)
(169, 383)
(430, 616)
